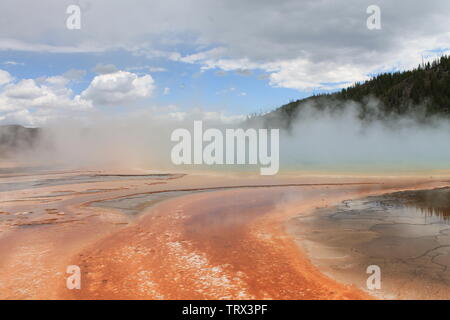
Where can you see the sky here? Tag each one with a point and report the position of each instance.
(220, 59)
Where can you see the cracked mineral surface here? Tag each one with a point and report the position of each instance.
(407, 234)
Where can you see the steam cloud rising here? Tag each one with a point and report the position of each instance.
(317, 140)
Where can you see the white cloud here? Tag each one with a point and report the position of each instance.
(57, 81)
(24, 90)
(18, 45)
(145, 69)
(20, 116)
(301, 44)
(5, 77)
(36, 101)
(301, 74)
(24, 117)
(118, 87)
(33, 102)
(13, 63)
(49, 94)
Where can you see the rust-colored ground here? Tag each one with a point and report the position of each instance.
(220, 244)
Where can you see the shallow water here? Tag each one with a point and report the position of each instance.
(407, 234)
(133, 205)
(12, 186)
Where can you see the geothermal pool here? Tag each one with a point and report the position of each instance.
(82, 178)
(407, 234)
(155, 236)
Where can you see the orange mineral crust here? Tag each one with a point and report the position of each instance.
(137, 236)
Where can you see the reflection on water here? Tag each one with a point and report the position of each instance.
(442, 213)
(430, 203)
(407, 234)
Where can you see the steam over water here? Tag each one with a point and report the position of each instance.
(339, 140)
(318, 140)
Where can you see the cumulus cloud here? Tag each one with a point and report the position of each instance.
(37, 101)
(5, 77)
(34, 101)
(24, 117)
(118, 87)
(28, 93)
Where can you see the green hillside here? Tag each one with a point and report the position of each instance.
(422, 92)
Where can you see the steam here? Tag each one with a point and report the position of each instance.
(333, 139)
(337, 139)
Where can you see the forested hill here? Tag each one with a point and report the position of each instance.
(424, 91)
